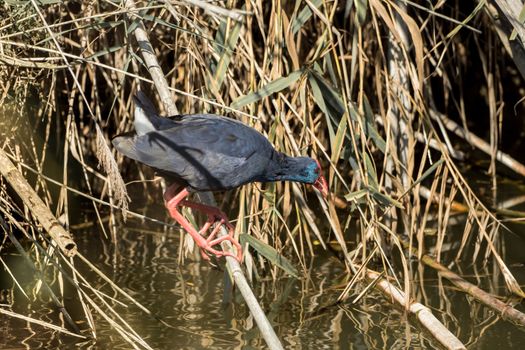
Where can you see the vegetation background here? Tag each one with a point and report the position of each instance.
(402, 102)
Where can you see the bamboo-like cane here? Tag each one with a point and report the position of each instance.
(233, 266)
(37, 207)
(421, 312)
(506, 311)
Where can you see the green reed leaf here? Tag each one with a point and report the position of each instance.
(269, 89)
(270, 253)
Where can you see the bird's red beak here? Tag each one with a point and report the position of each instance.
(321, 185)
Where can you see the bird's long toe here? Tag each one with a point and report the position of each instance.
(212, 239)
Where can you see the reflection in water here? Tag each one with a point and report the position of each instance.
(189, 298)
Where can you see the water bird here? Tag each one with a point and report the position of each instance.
(207, 152)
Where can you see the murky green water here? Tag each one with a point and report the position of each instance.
(190, 300)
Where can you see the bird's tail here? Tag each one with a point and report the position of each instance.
(145, 103)
(146, 116)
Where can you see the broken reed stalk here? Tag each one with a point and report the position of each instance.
(232, 264)
(41, 323)
(419, 311)
(506, 311)
(36, 206)
(479, 143)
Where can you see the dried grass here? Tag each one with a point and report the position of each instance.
(356, 85)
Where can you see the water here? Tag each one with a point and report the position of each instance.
(189, 298)
(193, 311)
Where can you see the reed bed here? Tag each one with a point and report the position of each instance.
(381, 92)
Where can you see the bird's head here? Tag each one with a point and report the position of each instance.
(300, 169)
(306, 170)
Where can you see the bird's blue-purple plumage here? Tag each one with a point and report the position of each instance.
(208, 152)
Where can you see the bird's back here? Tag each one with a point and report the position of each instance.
(206, 152)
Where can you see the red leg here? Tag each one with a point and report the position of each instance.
(173, 200)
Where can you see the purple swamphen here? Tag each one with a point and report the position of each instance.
(206, 152)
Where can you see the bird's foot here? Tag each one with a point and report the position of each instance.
(220, 219)
(215, 216)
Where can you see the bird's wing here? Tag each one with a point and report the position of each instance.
(209, 152)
